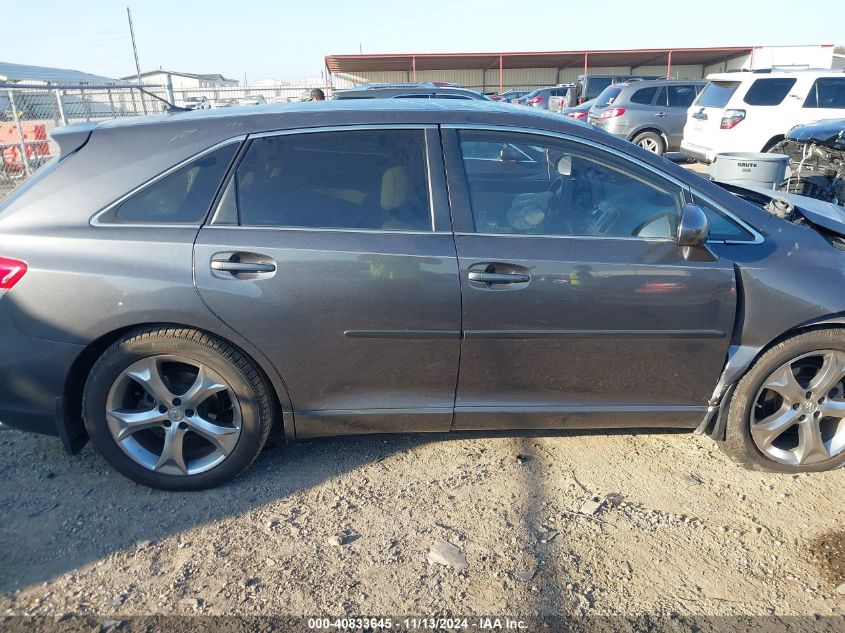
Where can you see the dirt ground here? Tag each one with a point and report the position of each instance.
(680, 529)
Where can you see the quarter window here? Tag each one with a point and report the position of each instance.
(182, 197)
(567, 189)
(827, 92)
(644, 95)
(679, 96)
(722, 228)
(769, 92)
(356, 179)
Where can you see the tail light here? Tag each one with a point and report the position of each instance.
(731, 118)
(11, 272)
(581, 100)
(577, 115)
(609, 114)
(536, 100)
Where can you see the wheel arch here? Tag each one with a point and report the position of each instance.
(651, 128)
(69, 414)
(777, 138)
(742, 359)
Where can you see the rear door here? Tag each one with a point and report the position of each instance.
(331, 250)
(579, 308)
(670, 114)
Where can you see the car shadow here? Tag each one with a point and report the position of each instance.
(61, 513)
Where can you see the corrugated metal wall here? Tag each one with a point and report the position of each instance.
(487, 80)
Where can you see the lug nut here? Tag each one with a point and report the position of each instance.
(817, 414)
(183, 426)
(802, 418)
(162, 409)
(821, 400)
(809, 394)
(167, 424)
(796, 406)
(176, 402)
(189, 413)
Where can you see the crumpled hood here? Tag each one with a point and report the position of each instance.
(828, 133)
(827, 215)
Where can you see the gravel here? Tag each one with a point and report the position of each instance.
(76, 538)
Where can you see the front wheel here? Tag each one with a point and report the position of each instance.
(650, 141)
(788, 412)
(176, 409)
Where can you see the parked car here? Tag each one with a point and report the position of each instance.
(357, 267)
(195, 103)
(579, 113)
(753, 111)
(650, 114)
(409, 91)
(589, 86)
(253, 100)
(509, 96)
(540, 98)
(225, 102)
(817, 160)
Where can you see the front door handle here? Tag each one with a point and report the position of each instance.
(498, 278)
(241, 267)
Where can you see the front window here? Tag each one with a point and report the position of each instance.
(356, 179)
(569, 190)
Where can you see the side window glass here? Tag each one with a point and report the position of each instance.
(769, 92)
(680, 96)
(722, 228)
(356, 179)
(181, 197)
(644, 95)
(568, 189)
(827, 92)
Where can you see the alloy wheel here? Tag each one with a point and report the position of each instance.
(649, 144)
(799, 413)
(173, 415)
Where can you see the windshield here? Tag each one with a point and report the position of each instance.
(607, 96)
(716, 94)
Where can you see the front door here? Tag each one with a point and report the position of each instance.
(579, 309)
(331, 251)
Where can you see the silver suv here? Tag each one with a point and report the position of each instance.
(651, 114)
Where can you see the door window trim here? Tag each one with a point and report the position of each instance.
(433, 166)
(687, 190)
(95, 219)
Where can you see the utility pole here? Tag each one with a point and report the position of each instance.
(135, 52)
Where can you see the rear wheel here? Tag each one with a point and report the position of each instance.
(788, 411)
(650, 141)
(177, 409)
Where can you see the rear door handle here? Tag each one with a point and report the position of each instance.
(701, 116)
(241, 267)
(660, 114)
(498, 278)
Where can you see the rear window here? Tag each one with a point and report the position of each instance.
(827, 92)
(595, 85)
(644, 95)
(608, 96)
(181, 197)
(350, 179)
(769, 92)
(716, 94)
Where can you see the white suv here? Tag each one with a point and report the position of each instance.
(752, 111)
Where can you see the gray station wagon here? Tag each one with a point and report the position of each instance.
(651, 114)
(177, 288)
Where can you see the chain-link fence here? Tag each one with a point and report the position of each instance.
(29, 113)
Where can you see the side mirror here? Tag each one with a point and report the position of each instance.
(694, 226)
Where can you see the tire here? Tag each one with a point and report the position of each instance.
(651, 142)
(129, 421)
(754, 404)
